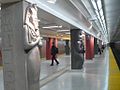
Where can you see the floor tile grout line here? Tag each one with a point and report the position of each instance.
(54, 76)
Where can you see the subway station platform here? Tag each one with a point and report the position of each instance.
(79, 26)
(94, 75)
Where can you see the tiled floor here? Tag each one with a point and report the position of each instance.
(94, 76)
(46, 69)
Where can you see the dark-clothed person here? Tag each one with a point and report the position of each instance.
(54, 51)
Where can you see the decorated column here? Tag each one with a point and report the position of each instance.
(20, 41)
(77, 58)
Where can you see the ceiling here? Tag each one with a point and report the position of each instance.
(67, 12)
(78, 14)
(111, 11)
(47, 19)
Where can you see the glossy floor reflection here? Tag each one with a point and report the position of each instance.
(94, 76)
(46, 69)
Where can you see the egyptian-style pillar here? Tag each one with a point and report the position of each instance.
(20, 40)
(32, 42)
(77, 58)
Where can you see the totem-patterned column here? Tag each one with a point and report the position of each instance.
(77, 58)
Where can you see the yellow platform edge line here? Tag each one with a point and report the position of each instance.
(114, 73)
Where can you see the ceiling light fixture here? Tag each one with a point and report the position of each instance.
(63, 30)
(51, 1)
(94, 4)
(100, 15)
(53, 27)
(68, 33)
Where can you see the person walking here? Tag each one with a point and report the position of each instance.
(54, 51)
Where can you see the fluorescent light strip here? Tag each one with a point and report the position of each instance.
(53, 27)
(51, 1)
(99, 13)
(67, 33)
(99, 4)
(94, 4)
(63, 30)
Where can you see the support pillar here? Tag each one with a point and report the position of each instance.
(49, 45)
(95, 46)
(12, 47)
(67, 48)
(48, 48)
(56, 42)
(77, 58)
(89, 47)
(21, 69)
